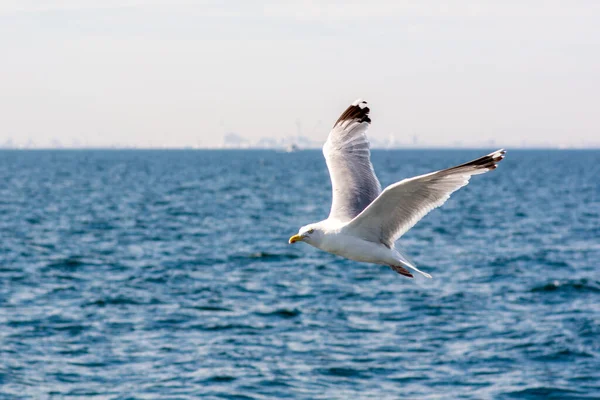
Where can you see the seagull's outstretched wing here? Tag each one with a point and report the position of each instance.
(353, 181)
(401, 205)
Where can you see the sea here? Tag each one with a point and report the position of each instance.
(167, 274)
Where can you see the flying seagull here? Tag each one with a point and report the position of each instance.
(365, 222)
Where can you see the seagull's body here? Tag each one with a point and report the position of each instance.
(344, 242)
(364, 222)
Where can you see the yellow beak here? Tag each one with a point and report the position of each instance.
(295, 238)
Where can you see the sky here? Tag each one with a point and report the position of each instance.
(159, 73)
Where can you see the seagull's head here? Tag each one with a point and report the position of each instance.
(310, 234)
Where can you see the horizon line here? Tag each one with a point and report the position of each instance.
(284, 150)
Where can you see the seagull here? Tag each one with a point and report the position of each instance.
(365, 222)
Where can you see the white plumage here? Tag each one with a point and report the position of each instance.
(364, 222)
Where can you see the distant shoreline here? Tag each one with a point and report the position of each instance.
(283, 150)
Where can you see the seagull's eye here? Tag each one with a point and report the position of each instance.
(310, 231)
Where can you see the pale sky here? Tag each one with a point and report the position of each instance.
(163, 73)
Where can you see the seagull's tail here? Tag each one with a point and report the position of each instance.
(408, 263)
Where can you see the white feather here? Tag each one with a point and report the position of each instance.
(364, 222)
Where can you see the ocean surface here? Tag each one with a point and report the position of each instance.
(168, 275)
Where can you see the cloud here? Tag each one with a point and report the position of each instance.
(16, 7)
(200, 8)
(165, 72)
(361, 10)
(330, 10)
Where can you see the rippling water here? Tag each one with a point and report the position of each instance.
(167, 274)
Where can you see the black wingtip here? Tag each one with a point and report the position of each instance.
(489, 162)
(357, 111)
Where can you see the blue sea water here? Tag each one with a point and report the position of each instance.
(167, 274)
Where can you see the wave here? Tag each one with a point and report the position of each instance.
(579, 286)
